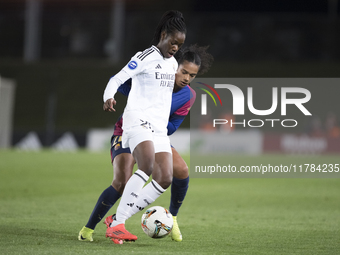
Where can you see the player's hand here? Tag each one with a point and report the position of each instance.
(108, 105)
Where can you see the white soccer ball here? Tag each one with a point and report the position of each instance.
(157, 222)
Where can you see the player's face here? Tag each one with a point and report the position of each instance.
(186, 72)
(169, 44)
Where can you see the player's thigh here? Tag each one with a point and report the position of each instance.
(180, 167)
(144, 154)
(141, 143)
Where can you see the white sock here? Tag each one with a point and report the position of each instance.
(147, 196)
(131, 192)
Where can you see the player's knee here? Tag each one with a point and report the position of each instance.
(146, 168)
(181, 172)
(146, 165)
(145, 162)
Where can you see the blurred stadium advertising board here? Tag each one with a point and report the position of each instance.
(300, 144)
(99, 139)
(248, 142)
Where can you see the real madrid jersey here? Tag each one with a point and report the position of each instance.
(149, 100)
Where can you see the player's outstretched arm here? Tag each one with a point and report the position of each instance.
(111, 88)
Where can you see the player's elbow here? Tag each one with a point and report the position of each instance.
(171, 129)
(170, 132)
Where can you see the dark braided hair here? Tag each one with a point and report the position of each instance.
(171, 22)
(197, 55)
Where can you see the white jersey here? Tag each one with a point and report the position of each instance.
(149, 100)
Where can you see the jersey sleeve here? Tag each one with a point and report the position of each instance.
(179, 115)
(134, 67)
(177, 118)
(185, 108)
(174, 122)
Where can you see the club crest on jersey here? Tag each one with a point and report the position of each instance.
(132, 65)
(117, 146)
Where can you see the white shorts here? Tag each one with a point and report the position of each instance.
(137, 134)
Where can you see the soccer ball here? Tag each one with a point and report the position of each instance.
(157, 222)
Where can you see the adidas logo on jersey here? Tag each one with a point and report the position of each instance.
(158, 66)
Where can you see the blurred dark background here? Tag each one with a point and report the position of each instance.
(61, 53)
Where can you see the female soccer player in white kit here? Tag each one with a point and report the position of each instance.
(192, 61)
(146, 116)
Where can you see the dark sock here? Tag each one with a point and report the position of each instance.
(106, 200)
(179, 189)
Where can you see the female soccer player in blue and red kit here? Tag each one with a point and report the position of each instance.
(192, 61)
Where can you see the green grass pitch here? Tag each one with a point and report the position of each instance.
(46, 197)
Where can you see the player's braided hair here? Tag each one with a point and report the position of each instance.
(197, 55)
(171, 21)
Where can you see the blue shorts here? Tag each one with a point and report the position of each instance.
(116, 147)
